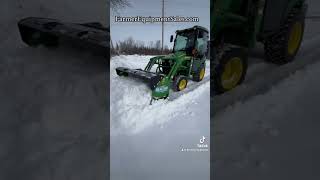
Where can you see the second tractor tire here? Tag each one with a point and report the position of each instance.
(230, 70)
(282, 47)
(199, 74)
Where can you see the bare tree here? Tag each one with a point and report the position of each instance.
(119, 4)
(151, 44)
(158, 44)
(131, 46)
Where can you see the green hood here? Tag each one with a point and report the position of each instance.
(175, 56)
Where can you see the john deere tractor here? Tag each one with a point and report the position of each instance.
(186, 62)
(237, 26)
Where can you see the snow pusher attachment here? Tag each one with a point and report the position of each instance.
(172, 71)
(156, 81)
(152, 79)
(92, 36)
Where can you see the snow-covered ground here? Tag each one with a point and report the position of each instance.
(146, 140)
(273, 134)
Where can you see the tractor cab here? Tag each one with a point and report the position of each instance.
(189, 51)
(192, 41)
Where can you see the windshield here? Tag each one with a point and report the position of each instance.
(184, 41)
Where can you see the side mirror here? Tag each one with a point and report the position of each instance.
(171, 38)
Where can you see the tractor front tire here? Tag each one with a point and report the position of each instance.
(180, 83)
(282, 47)
(199, 74)
(230, 70)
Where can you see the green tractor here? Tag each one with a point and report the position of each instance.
(237, 26)
(186, 62)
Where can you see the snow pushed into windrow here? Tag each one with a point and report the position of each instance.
(129, 99)
(301, 88)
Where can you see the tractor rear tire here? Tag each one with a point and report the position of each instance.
(180, 83)
(230, 70)
(199, 74)
(282, 47)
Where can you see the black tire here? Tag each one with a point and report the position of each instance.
(197, 75)
(177, 80)
(277, 46)
(229, 54)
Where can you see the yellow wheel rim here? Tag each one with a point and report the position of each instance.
(232, 73)
(182, 84)
(295, 38)
(202, 72)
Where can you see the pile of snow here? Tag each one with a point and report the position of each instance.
(129, 99)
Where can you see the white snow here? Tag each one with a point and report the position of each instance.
(272, 130)
(298, 89)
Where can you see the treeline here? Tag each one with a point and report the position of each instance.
(131, 46)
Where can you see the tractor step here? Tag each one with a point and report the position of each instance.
(150, 78)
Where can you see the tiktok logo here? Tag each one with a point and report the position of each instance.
(202, 140)
(202, 143)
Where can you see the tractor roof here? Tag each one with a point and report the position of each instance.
(193, 28)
